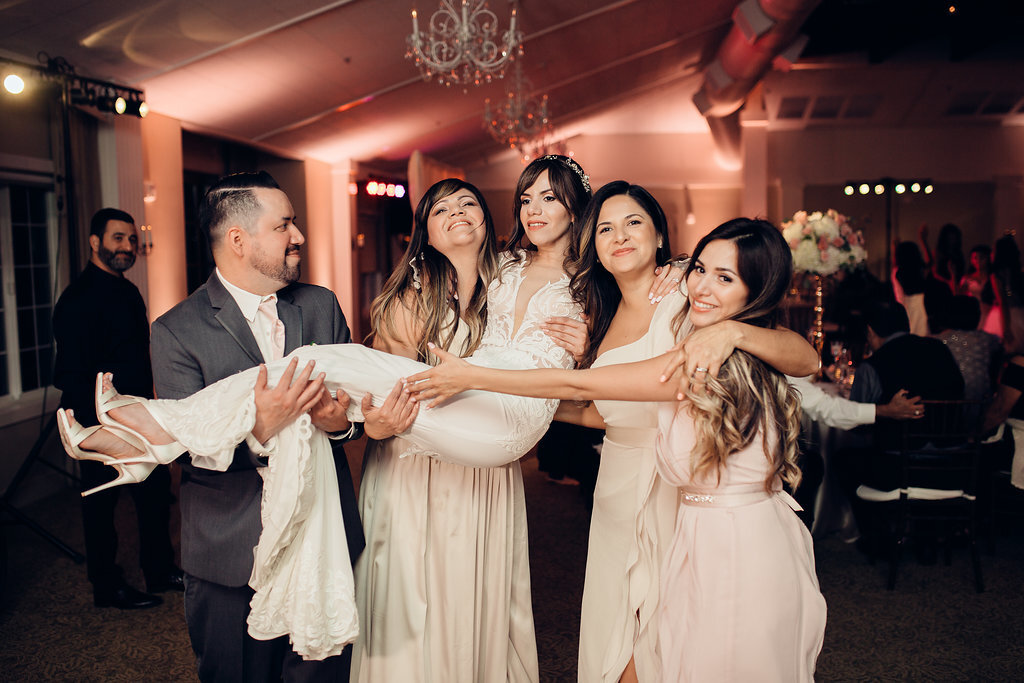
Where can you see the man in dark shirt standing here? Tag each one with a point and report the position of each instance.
(100, 325)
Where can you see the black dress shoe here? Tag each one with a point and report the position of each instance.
(126, 597)
(174, 580)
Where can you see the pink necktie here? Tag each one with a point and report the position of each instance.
(268, 309)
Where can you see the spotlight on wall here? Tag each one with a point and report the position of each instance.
(848, 190)
(14, 84)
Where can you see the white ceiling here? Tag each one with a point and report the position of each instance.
(328, 79)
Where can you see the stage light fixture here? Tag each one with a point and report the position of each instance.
(879, 188)
(79, 91)
(108, 102)
(915, 187)
(900, 188)
(135, 106)
(848, 190)
(928, 189)
(864, 188)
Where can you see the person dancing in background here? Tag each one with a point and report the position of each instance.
(979, 283)
(946, 264)
(1006, 269)
(739, 596)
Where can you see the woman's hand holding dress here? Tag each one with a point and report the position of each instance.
(394, 416)
(279, 406)
(446, 379)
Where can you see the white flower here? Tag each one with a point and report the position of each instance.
(792, 231)
(828, 227)
(822, 243)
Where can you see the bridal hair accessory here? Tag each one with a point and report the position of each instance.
(416, 273)
(573, 166)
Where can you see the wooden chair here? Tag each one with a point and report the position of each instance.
(939, 459)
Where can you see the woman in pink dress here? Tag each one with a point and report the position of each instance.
(739, 596)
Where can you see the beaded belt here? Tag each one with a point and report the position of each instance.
(732, 500)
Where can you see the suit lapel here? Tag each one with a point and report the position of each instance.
(290, 314)
(231, 318)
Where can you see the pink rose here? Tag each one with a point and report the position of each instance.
(800, 217)
(838, 242)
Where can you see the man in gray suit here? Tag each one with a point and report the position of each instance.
(221, 329)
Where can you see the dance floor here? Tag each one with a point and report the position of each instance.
(932, 627)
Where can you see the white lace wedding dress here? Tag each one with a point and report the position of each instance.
(302, 574)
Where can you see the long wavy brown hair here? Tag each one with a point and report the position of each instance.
(748, 396)
(592, 286)
(425, 282)
(569, 187)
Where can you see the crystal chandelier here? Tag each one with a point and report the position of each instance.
(519, 121)
(460, 45)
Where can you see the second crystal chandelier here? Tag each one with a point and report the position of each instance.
(520, 119)
(460, 45)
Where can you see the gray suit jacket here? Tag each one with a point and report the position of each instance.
(202, 340)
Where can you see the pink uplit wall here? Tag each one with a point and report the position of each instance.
(162, 168)
(318, 259)
(343, 214)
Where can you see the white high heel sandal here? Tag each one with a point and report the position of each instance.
(72, 434)
(107, 400)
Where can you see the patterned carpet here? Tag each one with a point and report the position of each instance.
(933, 627)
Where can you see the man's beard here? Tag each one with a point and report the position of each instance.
(117, 261)
(279, 270)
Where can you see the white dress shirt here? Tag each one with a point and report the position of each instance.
(835, 411)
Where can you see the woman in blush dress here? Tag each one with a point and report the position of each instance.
(739, 596)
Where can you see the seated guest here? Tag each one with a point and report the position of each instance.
(899, 360)
(977, 353)
(841, 413)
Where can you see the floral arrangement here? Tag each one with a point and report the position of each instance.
(822, 243)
